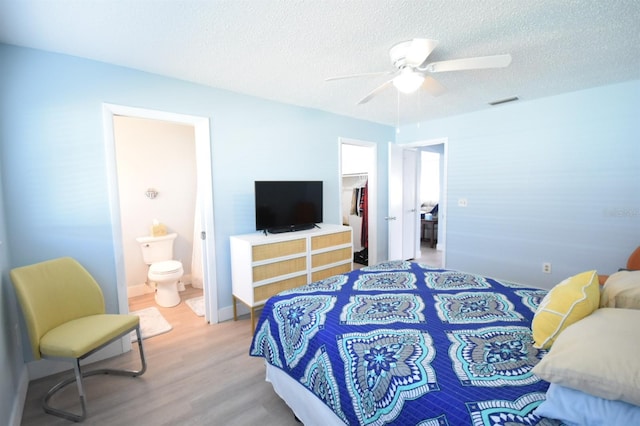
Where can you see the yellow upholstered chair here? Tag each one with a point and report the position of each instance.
(64, 310)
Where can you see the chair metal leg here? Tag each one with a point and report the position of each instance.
(79, 375)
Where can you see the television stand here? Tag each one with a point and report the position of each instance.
(291, 228)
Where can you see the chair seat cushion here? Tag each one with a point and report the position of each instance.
(78, 337)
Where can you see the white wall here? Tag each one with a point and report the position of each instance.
(159, 155)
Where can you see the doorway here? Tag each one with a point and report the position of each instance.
(358, 179)
(405, 214)
(429, 190)
(204, 199)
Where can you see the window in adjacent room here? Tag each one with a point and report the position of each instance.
(430, 178)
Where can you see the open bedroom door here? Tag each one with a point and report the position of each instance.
(403, 213)
(394, 215)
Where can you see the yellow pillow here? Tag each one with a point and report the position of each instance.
(567, 302)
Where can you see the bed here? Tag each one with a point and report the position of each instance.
(402, 343)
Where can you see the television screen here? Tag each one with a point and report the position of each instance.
(283, 206)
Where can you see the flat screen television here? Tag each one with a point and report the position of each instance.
(285, 206)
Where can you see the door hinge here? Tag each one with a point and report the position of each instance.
(203, 235)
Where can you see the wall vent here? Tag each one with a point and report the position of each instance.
(503, 101)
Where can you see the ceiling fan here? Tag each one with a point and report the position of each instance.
(411, 73)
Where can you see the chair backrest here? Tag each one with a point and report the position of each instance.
(54, 292)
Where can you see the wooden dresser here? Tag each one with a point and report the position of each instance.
(263, 265)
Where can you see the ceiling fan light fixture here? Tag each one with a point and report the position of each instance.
(408, 81)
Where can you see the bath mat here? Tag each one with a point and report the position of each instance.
(197, 305)
(152, 323)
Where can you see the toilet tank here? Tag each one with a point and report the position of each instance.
(157, 249)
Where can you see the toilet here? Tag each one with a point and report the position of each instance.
(164, 272)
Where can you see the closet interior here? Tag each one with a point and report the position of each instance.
(355, 213)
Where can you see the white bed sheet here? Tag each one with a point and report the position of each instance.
(308, 408)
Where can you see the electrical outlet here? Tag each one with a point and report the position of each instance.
(546, 268)
(462, 202)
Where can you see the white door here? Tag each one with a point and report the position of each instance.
(205, 206)
(403, 217)
(394, 216)
(410, 211)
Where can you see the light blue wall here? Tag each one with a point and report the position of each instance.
(11, 364)
(275, 141)
(552, 180)
(56, 200)
(54, 152)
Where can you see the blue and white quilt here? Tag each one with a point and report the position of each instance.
(401, 343)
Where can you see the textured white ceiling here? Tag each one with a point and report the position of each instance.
(284, 49)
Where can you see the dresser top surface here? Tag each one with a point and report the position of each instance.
(259, 237)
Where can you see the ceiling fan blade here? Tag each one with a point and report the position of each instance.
(419, 50)
(366, 74)
(375, 91)
(432, 86)
(480, 62)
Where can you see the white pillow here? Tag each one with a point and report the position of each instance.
(578, 408)
(598, 355)
(621, 290)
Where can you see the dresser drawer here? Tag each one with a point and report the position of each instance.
(280, 249)
(329, 257)
(326, 273)
(275, 269)
(323, 241)
(264, 292)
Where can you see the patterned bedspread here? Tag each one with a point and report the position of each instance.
(400, 343)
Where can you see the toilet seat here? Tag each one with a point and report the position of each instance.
(166, 267)
(166, 275)
(167, 271)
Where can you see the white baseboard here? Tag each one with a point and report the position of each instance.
(138, 290)
(15, 418)
(226, 313)
(144, 288)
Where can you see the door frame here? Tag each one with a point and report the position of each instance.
(442, 205)
(204, 193)
(372, 170)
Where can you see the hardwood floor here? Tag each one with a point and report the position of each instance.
(430, 256)
(197, 374)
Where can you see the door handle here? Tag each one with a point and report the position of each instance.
(390, 218)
